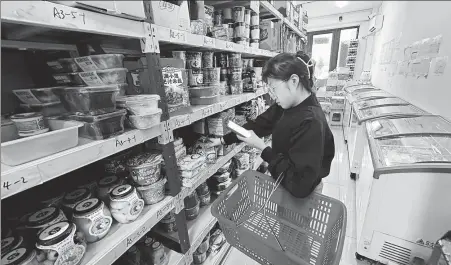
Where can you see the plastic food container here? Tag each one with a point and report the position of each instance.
(235, 73)
(203, 91)
(63, 135)
(195, 77)
(117, 164)
(29, 124)
(238, 13)
(139, 104)
(145, 168)
(72, 79)
(205, 100)
(125, 204)
(46, 109)
(64, 65)
(211, 76)
(9, 130)
(93, 219)
(90, 100)
(62, 244)
(106, 185)
(45, 217)
(73, 198)
(20, 256)
(152, 193)
(146, 121)
(193, 60)
(101, 61)
(191, 200)
(100, 77)
(188, 174)
(38, 95)
(192, 213)
(191, 162)
(12, 242)
(102, 126)
(236, 87)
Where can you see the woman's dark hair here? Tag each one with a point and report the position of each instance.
(283, 65)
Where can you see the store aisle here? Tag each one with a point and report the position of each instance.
(337, 185)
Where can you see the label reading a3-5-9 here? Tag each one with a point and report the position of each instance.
(75, 17)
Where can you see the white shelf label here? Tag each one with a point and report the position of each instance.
(177, 35)
(86, 64)
(69, 15)
(229, 45)
(165, 210)
(131, 240)
(91, 78)
(181, 121)
(16, 182)
(209, 42)
(207, 112)
(223, 106)
(124, 141)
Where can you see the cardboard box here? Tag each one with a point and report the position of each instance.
(171, 15)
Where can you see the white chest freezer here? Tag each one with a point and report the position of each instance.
(402, 194)
(357, 134)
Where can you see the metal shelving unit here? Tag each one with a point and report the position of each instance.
(44, 25)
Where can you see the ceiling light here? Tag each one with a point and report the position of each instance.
(341, 4)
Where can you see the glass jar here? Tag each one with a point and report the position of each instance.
(11, 242)
(106, 185)
(93, 218)
(20, 256)
(61, 244)
(45, 217)
(54, 201)
(74, 197)
(125, 205)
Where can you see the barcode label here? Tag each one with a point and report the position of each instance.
(86, 64)
(91, 79)
(26, 96)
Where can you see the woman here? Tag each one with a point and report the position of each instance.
(302, 142)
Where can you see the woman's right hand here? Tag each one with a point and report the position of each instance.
(214, 142)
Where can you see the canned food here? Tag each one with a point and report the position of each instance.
(255, 32)
(247, 16)
(180, 55)
(238, 13)
(221, 60)
(207, 59)
(234, 60)
(235, 73)
(211, 76)
(246, 30)
(227, 15)
(239, 29)
(236, 87)
(193, 60)
(218, 17)
(195, 77)
(223, 88)
(255, 20)
(192, 213)
(224, 75)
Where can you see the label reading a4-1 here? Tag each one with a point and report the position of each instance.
(208, 41)
(69, 15)
(207, 112)
(123, 140)
(178, 36)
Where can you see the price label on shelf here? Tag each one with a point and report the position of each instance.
(177, 35)
(18, 181)
(181, 121)
(223, 106)
(246, 48)
(131, 240)
(209, 42)
(207, 112)
(70, 15)
(91, 78)
(179, 201)
(126, 140)
(165, 210)
(229, 45)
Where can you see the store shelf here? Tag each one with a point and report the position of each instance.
(216, 259)
(56, 16)
(22, 177)
(196, 113)
(184, 38)
(277, 14)
(122, 236)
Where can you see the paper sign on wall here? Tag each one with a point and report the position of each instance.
(438, 67)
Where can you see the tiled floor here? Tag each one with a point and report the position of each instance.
(337, 185)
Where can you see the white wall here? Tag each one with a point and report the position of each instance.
(413, 21)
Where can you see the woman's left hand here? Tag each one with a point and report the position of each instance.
(253, 141)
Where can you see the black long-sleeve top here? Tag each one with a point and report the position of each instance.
(302, 144)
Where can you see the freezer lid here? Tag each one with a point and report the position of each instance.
(422, 124)
(362, 94)
(388, 111)
(363, 104)
(404, 150)
(351, 89)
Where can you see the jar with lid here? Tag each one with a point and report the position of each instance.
(11, 243)
(93, 219)
(132, 256)
(125, 205)
(61, 243)
(145, 168)
(20, 256)
(45, 217)
(91, 185)
(116, 164)
(74, 197)
(106, 185)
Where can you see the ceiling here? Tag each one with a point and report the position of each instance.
(327, 8)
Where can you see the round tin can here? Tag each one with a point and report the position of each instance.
(224, 75)
(221, 59)
(255, 20)
(231, 32)
(217, 20)
(227, 15)
(234, 59)
(246, 30)
(247, 16)
(255, 32)
(195, 77)
(29, 124)
(239, 29)
(223, 88)
(238, 13)
(236, 87)
(193, 60)
(242, 41)
(180, 55)
(211, 75)
(236, 73)
(192, 213)
(255, 43)
(208, 59)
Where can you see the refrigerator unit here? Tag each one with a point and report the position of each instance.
(402, 193)
(356, 135)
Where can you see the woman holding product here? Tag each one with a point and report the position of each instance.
(302, 143)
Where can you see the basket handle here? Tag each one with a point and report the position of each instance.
(231, 191)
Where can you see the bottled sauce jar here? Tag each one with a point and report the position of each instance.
(106, 185)
(74, 197)
(125, 204)
(93, 219)
(45, 217)
(20, 256)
